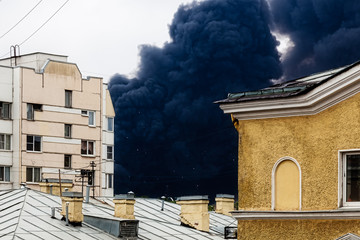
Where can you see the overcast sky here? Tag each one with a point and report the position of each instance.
(101, 37)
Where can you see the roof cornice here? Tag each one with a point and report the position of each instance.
(331, 92)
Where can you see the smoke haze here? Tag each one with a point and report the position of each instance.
(170, 139)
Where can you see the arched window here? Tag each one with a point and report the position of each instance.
(286, 185)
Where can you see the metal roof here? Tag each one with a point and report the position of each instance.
(166, 225)
(26, 214)
(287, 89)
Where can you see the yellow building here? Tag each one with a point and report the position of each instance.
(54, 123)
(299, 157)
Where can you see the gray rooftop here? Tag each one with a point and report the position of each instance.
(287, 89)
(25, 214)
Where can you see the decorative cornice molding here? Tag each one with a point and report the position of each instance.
(279, 215)
(320, 98)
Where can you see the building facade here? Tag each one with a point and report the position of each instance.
(299, 157)
(52, 124)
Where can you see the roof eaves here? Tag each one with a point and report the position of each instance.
(295, 88)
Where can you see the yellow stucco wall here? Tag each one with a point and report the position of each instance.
(313, 141)
(296, 229)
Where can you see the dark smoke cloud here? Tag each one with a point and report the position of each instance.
(325, 33)
(170, 137)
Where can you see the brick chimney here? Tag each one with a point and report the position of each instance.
(75, 200)
(194, 211)
(124, 205)
(52, 185)
(224, 204)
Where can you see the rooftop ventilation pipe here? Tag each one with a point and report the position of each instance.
(162, 202)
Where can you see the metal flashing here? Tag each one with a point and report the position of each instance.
(225, 196)
(195, 197)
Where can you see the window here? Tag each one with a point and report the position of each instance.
(5, 110)
(33, 143)
(91, 118)
(4, 174)
(68, 98)
(351, 179)
(110, 124)
(30, 110)
(110, 180)
(5, 142)
(67, 161)
(87, 147)
(67, 131)
(33, 174)
(84, 112)
(109, 152)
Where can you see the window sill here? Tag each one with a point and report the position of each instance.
(6, 119)
(92, 126)
(350, 208)
(28, 151)
(33, 183)
(89, 156)
(5, 182)
(5, 150)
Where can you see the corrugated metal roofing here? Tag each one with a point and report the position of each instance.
(26, 214)
(286, 89)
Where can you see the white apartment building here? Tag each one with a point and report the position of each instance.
(54, 124)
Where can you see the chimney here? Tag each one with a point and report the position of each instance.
(52, 185)
(194, 211)
(75, 200)
(224, 204)
(124, 205)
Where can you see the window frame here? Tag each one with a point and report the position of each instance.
(87, 148)
(33, 174)
(112, 124)
(3, 170)
(342, 178)
(33, 143)
(110, 180)
(70, 130)
(7, 138)
(93, 113)
(30, 111)
(68, 98)
(33, 107)
(112, 152)
(69, 158)
(2, 112)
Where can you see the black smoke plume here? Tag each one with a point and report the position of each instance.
(325, 34)
(170, 137)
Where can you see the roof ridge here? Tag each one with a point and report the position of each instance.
(21, 210)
